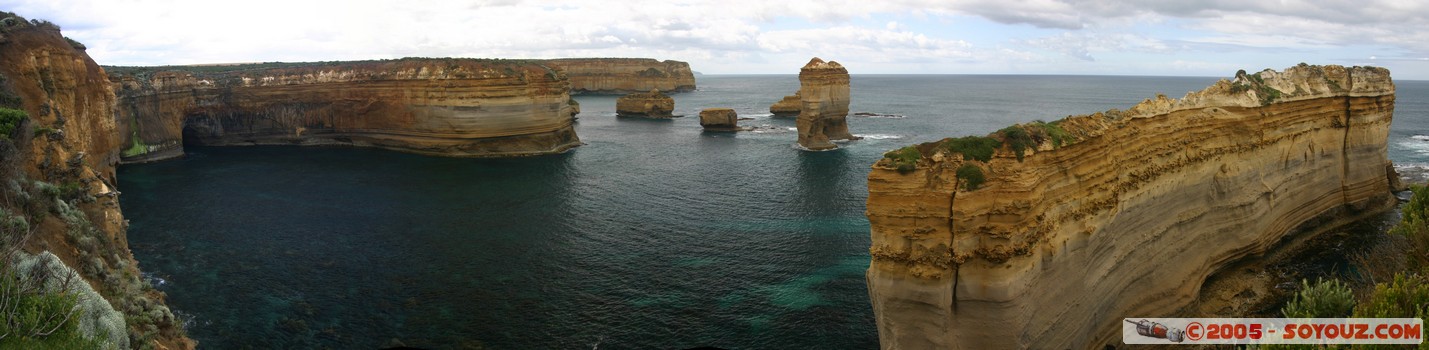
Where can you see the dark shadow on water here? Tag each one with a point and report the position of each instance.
(340, 247)
(821, 177)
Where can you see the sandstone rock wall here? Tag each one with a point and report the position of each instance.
(625, 75)
(719, 119)
(1128, 217)
(824, 94)
(60, 169)
(447, 107)
(787, 107)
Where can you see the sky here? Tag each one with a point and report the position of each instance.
(1091, 37)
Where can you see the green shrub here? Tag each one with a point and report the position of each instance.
(1018, 139)
(905, 159)
(980, 148)
(75, 44)
(8, 99)
(1054, 132)
(1266, 93)
(971, 175)
(1407, 296)
(1414, 226)
(9, 120)
(1325, 299)
(46, 306)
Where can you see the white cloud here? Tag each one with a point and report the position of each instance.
(730, 35)
(1081, 45)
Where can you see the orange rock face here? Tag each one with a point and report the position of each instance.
(651, 104)
(787, 107)
(445, 107)
(625, 75)
(719, 119)
(1126, 216)
(70, 138)
(824, 97)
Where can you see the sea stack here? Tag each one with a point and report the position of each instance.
(651, 104)
(719, 119)
(1016, 240)
(787, 107)
(823, 94)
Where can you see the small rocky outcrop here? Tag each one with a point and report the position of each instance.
(719, 119)
(824, 97)
(787, 107)
(651, 104)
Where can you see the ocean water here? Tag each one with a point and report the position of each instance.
(653, 235)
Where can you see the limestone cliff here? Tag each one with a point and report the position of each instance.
(651, 104)
(823, 113)
(625, 75)
(787, 107)
(1045, 235)
(447, 107)
(58, 167)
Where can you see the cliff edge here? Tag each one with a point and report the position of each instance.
(625, 75)
(58, 152)
(434, 106)
(1048, 234)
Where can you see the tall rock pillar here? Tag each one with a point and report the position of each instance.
(824, 93)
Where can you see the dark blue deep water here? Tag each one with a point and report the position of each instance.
(654, 235)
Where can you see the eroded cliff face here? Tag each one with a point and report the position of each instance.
(445, 107)
(625, 75)
(59, 173)
(1116, 214)
(824, 97)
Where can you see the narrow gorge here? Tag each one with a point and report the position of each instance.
(1051, 233)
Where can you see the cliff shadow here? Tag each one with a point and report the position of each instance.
(361, 237)
(823, 179)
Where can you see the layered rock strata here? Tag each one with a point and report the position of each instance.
(651, 104)
(719, 119)
(1045, 235)
(823, 113)
(445, 107)
(787, 107)
(625, 75)
(59, 164)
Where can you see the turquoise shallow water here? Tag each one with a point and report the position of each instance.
(654, 235)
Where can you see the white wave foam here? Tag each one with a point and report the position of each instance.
(1416, 146)
(770, 129)
(880, 136)
(878, 115)
(802, 148)
(1420, 137)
